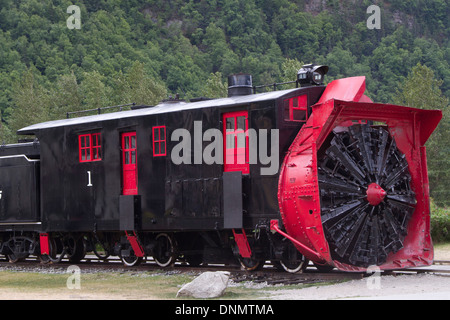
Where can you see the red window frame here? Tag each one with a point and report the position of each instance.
(297, 108)
(90, 147)
(236, 156)
(159, 141)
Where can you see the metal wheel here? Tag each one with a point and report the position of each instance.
(251, 264)
(131, 261)
(76, 249)
(12, 258)
(19, 248)
(165, 251)
(101, 246)
(366, 198)
(293, 261)
(57, 251)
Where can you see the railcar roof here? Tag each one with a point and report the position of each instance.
(158, 109)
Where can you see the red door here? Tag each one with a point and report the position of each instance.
(235, 130)
(129, 163)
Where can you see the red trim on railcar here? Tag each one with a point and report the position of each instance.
(129, 163)
(135, 244)
(159, 141)
(297, 108)
(43, 243)
(90, 147)
(236, 143)
(242, 243)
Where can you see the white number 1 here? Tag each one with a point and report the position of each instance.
(89, 179)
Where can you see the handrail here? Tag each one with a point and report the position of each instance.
(274, 85)
(99, 110)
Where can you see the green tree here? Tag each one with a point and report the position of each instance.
(66, 96)
(94, 91)
(421, 90)
(289, 71)
(6, 136)
(215, 42)
(137, 86)
(215, 87)
(30, 102)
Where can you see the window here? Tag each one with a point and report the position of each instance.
(296, 109)
(236, 147)
(159, 141)
(90, 147)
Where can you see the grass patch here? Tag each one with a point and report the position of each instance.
(30, 281)
(93, 285)
(143, 285)
(153, 285)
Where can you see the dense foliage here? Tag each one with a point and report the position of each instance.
(142, 51)
(421, 90)
(440, 223)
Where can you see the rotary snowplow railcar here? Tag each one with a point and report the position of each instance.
(315, 173)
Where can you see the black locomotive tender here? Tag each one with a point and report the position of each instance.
(106, 183)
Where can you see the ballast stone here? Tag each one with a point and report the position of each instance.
(207, 285)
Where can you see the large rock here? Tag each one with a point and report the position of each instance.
(206, 285)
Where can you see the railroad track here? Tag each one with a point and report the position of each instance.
(268, 275)
(441, 262)
(441, 267)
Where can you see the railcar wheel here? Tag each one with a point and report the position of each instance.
(251, 264)
(57, 251)
(365, 195)
(102, 246)
(101, 252)
(76, 249)
(293, 261)
(131, 261)
(13, 258)
(165, 250)
(19, 248)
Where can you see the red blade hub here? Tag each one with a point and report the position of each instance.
(375, 194)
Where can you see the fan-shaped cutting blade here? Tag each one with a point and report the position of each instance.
(362, 232)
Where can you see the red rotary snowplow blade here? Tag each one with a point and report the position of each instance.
(354, 193)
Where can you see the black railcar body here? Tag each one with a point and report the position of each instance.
(82, 189)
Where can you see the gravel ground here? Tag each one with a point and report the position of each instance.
(405, 287)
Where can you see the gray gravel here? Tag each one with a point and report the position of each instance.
(405, 287)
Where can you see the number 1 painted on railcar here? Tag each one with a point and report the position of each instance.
(89, 179)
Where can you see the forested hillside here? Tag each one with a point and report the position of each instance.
(142, 51)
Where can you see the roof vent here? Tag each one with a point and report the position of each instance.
(240, 85)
